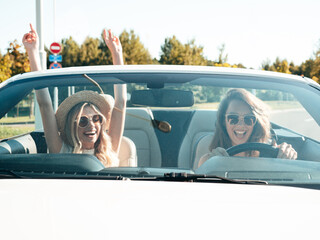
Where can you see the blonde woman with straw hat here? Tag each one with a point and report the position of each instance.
(81, 121)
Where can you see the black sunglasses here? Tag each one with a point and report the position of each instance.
(84, 120)
(234, 119)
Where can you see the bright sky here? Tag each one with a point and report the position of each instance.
(252, 30)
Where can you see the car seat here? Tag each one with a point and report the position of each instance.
(127, 153)
(201, 124)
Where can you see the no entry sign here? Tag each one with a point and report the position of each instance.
(55, 48)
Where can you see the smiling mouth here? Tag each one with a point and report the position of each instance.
(90, 134)
(240, 134)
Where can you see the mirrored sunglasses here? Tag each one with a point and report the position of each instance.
(233, 119)
(84, 120)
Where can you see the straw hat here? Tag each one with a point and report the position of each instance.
(102, 102)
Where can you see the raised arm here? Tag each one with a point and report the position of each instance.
(31, 42)
(116, 126)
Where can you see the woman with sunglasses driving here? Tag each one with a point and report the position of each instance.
(81, 122)
(242, 118)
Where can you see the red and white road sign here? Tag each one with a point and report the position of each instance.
(55, 65)
(55, 47)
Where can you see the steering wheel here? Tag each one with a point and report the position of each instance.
(265, 150)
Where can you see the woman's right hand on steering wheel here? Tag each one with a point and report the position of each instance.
(286, 151)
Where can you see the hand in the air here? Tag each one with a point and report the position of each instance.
(30, 40)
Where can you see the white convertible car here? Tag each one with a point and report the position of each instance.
(165, 193)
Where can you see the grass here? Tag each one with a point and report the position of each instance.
(279, 105)
(16, 119)
(10, 131)
(7, 131)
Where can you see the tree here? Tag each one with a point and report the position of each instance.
(240, 65)
(174, 52)
(266, 65)
(296, 70)
(278, 66)
(306, 67)
(133, 50)
(90, 52)
(223, 58)
(19, 60)
(93, 51)
(193, 55)
(315, 71)
(13, 62)
(70, 53)
(104, 53)
(5, 67)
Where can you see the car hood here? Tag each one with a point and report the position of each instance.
(105, 209)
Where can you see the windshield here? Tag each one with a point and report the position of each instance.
(186, 122)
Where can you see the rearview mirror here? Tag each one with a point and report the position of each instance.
(162, 98)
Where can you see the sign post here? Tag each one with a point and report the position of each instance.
(55, 48)
(42, 52)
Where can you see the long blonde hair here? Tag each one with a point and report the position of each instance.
(102, 147)
(261, 130)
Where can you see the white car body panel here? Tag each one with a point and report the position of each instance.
(130, 209)
(159, 69)
(105, 209)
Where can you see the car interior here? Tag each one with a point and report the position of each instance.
(143, 145)
(163, 129)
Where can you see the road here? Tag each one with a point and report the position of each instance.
(298, 120)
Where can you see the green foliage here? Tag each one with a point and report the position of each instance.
(310, 68)
(307, 67)
(13, 62)
(266, 65)
(20, 62)
(93, 51)
(239, 65)
(268, 95)
(213, 94)
(223, 58)
(7, 131)
(133, 50)
(90, 54)
(5, 67)
(315, 70)
(296, 70)
(279, 66)
(104, 53)
(172, 52)
(70, 53)
(176, 53)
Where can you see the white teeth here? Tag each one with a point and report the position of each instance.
(239, 132)
(90, 133)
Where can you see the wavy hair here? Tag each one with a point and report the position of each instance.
(102, 147)
(261, 130)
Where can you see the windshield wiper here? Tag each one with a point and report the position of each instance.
(4, 173)
(189, 177)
